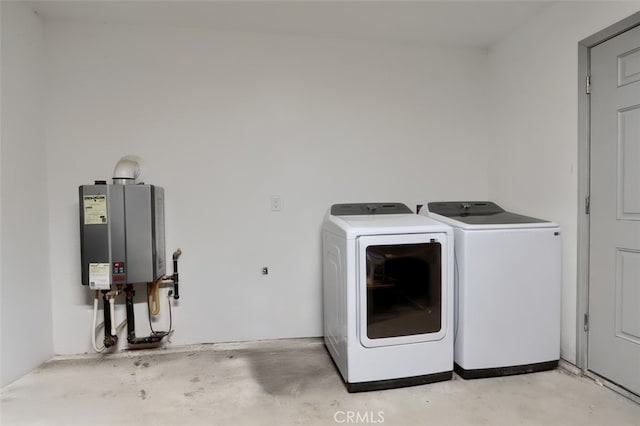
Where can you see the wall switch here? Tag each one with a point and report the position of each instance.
(276, 204)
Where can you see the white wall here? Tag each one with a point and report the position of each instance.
(224, 121)
(25, 285)
(533, 148)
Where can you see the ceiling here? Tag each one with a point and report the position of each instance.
(464, 24)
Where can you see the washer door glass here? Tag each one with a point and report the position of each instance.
(402, 291)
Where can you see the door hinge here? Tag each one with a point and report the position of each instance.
(586, 321)
(587, 204)
(588, 85)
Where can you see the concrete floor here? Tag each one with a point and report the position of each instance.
(287, 382)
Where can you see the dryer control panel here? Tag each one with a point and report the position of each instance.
(369, 209)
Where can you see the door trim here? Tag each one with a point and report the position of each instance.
(584, 174)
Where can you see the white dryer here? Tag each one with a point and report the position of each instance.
(508, 278)
(388, 295)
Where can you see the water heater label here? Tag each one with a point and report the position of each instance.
(95, 209)
(99, 276)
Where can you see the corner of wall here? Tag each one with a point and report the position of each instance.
(26, 314)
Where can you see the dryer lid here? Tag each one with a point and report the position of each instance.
(479, 213)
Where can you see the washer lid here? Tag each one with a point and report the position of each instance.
(480, 213)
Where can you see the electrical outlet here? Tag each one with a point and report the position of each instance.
(276, 203)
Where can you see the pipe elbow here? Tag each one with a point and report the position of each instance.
(176, 254)
(127, 170)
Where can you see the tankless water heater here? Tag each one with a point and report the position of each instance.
(121, 234)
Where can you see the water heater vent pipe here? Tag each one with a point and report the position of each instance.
(127, 170)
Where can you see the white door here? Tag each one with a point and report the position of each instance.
(614, 271)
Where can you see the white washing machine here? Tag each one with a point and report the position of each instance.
(508, 278)
(388, 295)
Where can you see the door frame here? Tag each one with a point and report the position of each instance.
(584, 176)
